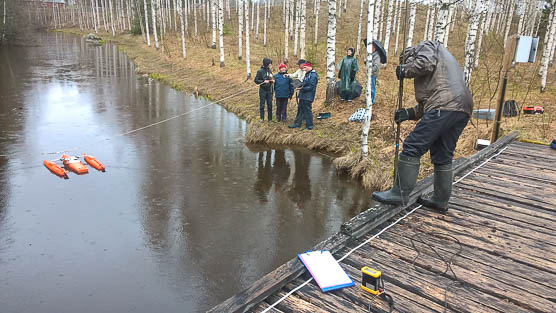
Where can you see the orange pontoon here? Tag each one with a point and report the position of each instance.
(55, 169)
(74, 165)
(94, 162)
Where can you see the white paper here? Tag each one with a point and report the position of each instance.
(325, 270)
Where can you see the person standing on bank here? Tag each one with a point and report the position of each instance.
(444, 108)
(283, 90)
(306, 97)
(297, 81)
(265, 79)
(348, 67)
(377, 59)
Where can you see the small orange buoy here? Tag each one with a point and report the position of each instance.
(74, 165)
(55, 169)
(92, 161)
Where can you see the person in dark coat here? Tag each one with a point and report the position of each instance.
(348, 67)
(306, 97)
(283, 90)
(444, 106)
(265, 79)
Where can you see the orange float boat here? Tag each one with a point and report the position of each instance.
(55, 169)
(74, 165)
(92, 161)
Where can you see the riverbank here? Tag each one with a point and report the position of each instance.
(201, 75)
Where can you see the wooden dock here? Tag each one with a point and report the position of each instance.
(494, 251)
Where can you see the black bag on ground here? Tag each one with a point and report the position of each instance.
(357, 89)
(510, 108)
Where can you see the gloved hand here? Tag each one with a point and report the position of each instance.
(400, 72)
(352, 76)
(404, 115)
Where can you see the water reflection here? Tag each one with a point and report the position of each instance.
(186, 214)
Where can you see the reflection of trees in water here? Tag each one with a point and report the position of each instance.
(300, 190)
(280, 170)
(263, 181)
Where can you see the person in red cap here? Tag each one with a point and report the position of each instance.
(306, 97)
(283, 89)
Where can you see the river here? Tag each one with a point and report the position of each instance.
(186, 214)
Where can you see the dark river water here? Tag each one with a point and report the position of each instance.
(186, 214)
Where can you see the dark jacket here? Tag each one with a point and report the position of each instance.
(263, 74)
(438, 79)
(309, 87)
(283, 86)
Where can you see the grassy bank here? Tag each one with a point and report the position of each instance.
(200, 74)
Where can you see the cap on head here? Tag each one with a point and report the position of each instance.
(281, 66)
(352, 50)
(301, 62)
(308, 64)
(266, 62)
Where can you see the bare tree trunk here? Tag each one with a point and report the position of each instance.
(368, 83)
(153, 8)
(548, 50)
(480, 40)
(388, 25)
(247, 49)
(287, 31)
(546, 46)
(240, 29)
(195, 21)
(331, 53)
(448, 26)
(376, 25)
(432, 22)
(147, 22)
(182, 27)
(509, 21)
(213, 18)
(252, 15)
(317, 9)
(111, 18)
(470, 41)
(292, 11)
(522, 10)
(4, 22)
(258, 19)
(297, 20)
(427, 21)
(302, 29)
(94, 16)
(221, 30)
(358, 46)
(412, 13)
(265, 17)
(442, 21)
(104, 18)
(396, 26)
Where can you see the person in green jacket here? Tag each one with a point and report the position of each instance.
(348, 68)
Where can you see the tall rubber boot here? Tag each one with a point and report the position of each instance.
(443, 178)
(408, 169)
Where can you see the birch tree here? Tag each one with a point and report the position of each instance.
(287, 31)
(258, 18)
(412, 13)
(388, 25)
(397, 19)
(195, 19)
(470, 41)
(521, 15)
(221, 30)
(112, 18)
(213, 18)
(240, 29)
(358, 46)
(448, 26)
(427, 21)
(317, 9)
(182, 27)
(297, 20)
(147, 23)
(4, 22)
(302, 29)
(247, 49)
(548, 47)
(368, 72)
(480, 40)
(265, 17)
(442, 21)
(509, 21)
(331, 52)
(153, 7)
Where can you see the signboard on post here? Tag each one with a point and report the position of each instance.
(526, 49)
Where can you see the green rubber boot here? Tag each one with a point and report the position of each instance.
(443, 178)
(408, 169)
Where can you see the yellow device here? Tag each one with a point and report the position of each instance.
(371, 280)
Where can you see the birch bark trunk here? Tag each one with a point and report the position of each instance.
(521, 9)
(182, 27)
(317, 9)
(147, 23)
(221, 30)
(111, 18)
(4, 22)
(265, 17)
(368, 76)
(153, 8)
(509, 21)
(427, 21)
(331, 52)
(247, 49)
(195, 20)
(240, 29)
(297, 20)
(302, 29)
(213, 20)
(388, 26)
(258, 19)
(546, 47)
(412, 13)
(442, 21)
(252, 14)
(480, 40)
(287, 31)
(397, 18)
(470, 41)
(548, 50)
(358, 46)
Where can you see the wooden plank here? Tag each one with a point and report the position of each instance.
(293, 304)
(274, 280)
(475, 278)
(484, 202)
(529, 156)
(508, 216)
(542, 187)
(475, 255)
(485, 269)
(527, 162)
(263, 306)
(529, 179)
(505, 167)
(531, 147)
(397, 271)
(491, 244)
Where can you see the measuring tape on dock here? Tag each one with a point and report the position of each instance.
(379, 233)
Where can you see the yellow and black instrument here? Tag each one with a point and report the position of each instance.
(372, 280)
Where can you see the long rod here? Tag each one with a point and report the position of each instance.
(400, 98)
